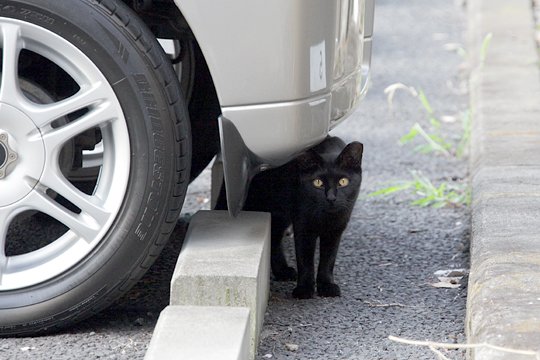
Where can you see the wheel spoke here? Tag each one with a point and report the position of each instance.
(11, 47)
(88, 205)
(55, 138)
(6, 215)
(81, 224)
(91, 96)
(4, 225)
(3, 266)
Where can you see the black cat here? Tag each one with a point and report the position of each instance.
(316, 192)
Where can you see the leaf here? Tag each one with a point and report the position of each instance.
(440, 141)
(440, 204)
(427, 106)
(391, 189)
(425, 102)
(424, 149)
(409, 136)
(390, 91)
(484, 47)
(422, 202)
(451, 272)
(446, 285)
(434, 122)
(432, 140)
(450, 278)
(466, 136)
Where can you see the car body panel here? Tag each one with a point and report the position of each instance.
(285, 71)
(259, 51)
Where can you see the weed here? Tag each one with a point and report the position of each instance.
(466, 124)
(427, 106)
(435, 142)
(484, 48)
(429, 194)
(390, 91)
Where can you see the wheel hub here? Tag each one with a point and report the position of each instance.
(7, 155)
(22, 155)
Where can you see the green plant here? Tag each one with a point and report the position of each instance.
(391, 90)
(465, 138)
(484, 48)
(427, 106)
(429, 194)
(435, 141)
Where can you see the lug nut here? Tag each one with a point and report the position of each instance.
(8, 156)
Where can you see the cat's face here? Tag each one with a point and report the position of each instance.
(332, 184)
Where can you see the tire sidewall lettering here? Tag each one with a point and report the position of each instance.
(151, 206)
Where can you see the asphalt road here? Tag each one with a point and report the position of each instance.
(390, 251)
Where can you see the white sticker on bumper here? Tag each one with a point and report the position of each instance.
(317, 58)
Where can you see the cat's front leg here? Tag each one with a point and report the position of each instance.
(305, 241)
(281, 270)
(329, 244)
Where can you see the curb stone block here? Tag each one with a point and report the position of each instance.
(506, 181)
(225, 261)
(506, 216)
(200, 333)
(492, 248)
(517, 85)
(503, 149)
(505, 130)
(503, 303)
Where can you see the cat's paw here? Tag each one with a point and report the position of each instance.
(285, 274)
(328, 290)
(303, 292)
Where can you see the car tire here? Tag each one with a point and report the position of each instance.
(116, 82)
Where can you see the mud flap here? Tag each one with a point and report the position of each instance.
(239, 165)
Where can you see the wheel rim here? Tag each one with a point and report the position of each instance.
(33, 173)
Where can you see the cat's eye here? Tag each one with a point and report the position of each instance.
(318, 183)
(343, 182)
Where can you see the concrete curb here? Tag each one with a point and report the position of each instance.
(503, 306)
(201, 333)
(224, 265)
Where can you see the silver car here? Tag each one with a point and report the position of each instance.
(101, 130)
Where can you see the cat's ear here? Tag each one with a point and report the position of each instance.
(351, 156)
(308, 160)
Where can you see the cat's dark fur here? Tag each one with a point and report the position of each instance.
(306, 193)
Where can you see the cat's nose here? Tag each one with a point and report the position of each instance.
(331, 197)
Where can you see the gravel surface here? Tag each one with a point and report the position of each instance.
(389, 253)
